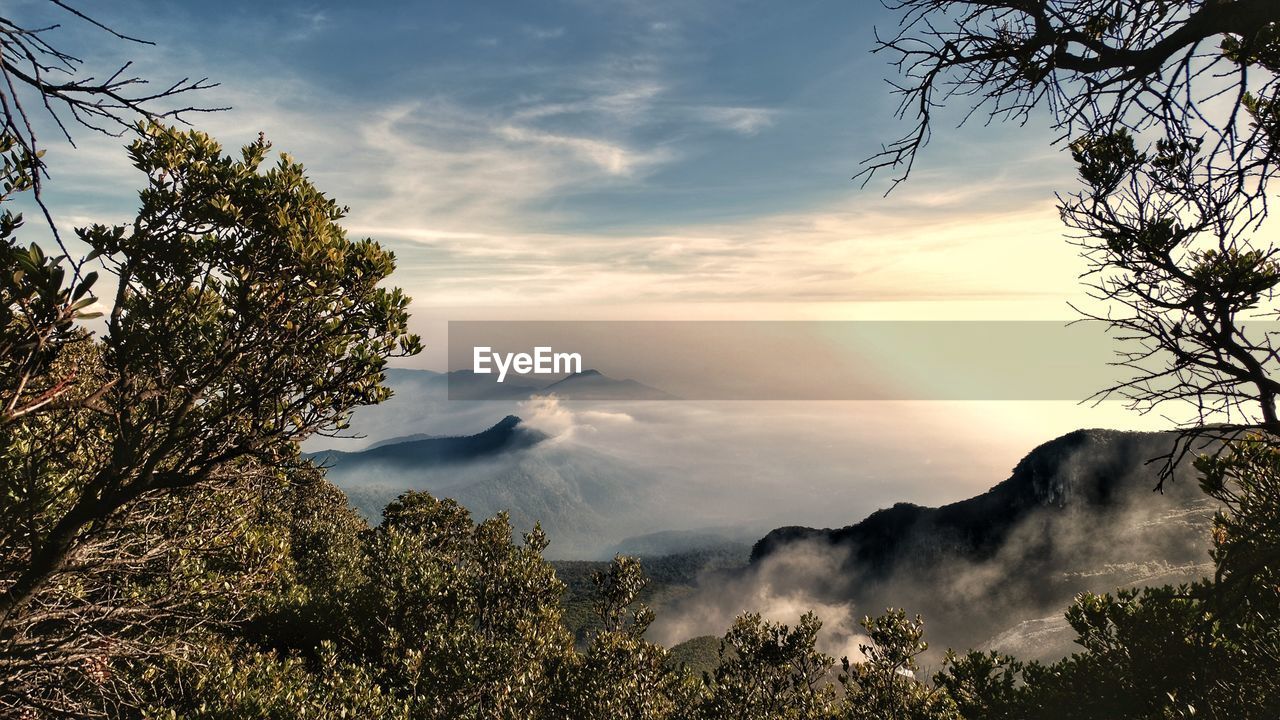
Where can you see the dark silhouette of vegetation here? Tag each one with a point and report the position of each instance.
(40, 75)
(1182, 69)
(1170, 111)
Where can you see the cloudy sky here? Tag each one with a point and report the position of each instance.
(608, 159)
(623, 160)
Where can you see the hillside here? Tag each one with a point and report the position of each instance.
(507, 435)
(1077, 513)
(580, 497)
(1093, 470)
(427, 404)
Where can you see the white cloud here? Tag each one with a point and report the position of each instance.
(612, 158)
(839, 254)
(466, 194)
(547, 414)
(742, 120)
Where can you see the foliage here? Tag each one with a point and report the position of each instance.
(232, 682)
(769, 670)
(39, 303)
(1202, 650)
(621, 675)
(1172, 256)
(139, 470)
(1170, 112)
(455, 615)
(884, 684)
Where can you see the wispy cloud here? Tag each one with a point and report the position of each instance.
(742, 120)
(479, 189)
(828, 257)
(612, 158)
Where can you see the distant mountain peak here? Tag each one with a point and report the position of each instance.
(504, 436)
(506, 423)
(594, 385)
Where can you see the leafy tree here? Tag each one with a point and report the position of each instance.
(1246, 554)
(318, 580)
(620, 675)
(769, 670)
(982, 684)
(1173, 256)
(39, 303)
(1170, 110)
(242, 321)
(1170, 113)
(237, 683)
(884, 684)
(456, 617)
(1208, 650)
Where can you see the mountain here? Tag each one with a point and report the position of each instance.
(1086, 470)
(592, 385)
(505, 436)
(461, 384)
(671, 542)
(435, 404)
(1076, 514)
(468, 385)
(403, 439)
(580, 497)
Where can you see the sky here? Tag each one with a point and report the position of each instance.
(608, 159)
(633, 160)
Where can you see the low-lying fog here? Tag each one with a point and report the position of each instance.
(642, 467)
(609, 473)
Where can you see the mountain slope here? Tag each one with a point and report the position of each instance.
(581, 497)
(433, 404)
(1076, 514)
(504, 436)
(1090, 470)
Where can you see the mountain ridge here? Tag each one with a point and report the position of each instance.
(1080, 468)
(1076, 514)
(506, 435)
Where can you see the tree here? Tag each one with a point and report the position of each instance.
(457, 619)
(1098, 67)
(1173, 258)
(37, 72)
(1210, 649)
(769, 670)
(884, 685)
(39, 304)
(1172, 116)
(1170, 110)
(243, 320)
(621, 675)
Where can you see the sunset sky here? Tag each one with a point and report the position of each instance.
(610, 160)
(639, 161)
